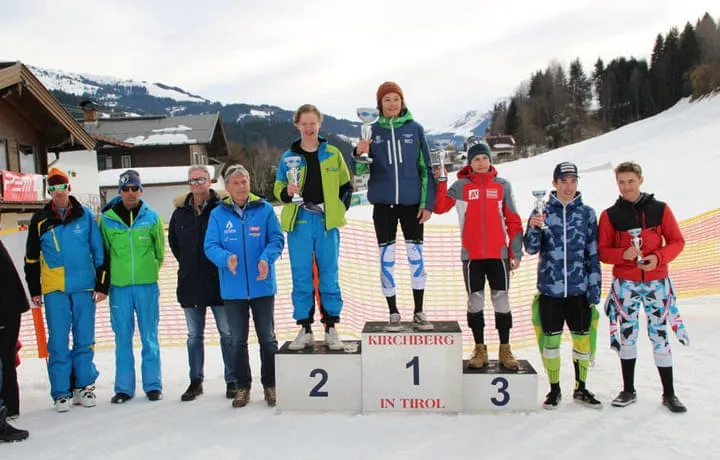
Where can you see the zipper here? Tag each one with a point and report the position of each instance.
(132, 249)
(397, 179)
(247, 272)
(57, 245)
(565, 249)
(482, 213)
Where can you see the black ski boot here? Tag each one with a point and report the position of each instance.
(9, 433)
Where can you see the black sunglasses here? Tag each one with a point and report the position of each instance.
(199, 180)
(130, 188)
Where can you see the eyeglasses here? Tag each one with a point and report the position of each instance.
(130, 188)
(55, 188)
(199, 180)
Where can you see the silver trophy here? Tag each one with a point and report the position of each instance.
(368, 116)
(540, 204)
(637, 242)
(293, 163)
(443, 144)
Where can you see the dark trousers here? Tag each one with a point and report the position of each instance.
(9, 393)
(238, 315)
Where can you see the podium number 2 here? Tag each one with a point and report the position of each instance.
(415, 364)
(502, 385)
(315, 392)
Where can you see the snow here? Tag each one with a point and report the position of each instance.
(464, 125)
(210, 428)
(254, 113)
(681, 165)
(160, 138)
(88, 84)
(502, 146)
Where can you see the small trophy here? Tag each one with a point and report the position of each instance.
(540, 204)
(293, 162)
(637, 242)
(443, 144)
(368, 116)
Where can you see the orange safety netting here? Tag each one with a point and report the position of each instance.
(696, 272)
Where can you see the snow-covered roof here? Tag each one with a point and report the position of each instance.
(187, 129)
(150, 176)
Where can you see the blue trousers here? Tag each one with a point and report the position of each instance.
(65, 314)
(195, 318)
(307, 238)
(126, 302)
(263, 314)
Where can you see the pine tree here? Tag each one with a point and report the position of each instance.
(512, 120)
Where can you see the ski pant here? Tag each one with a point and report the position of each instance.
(126, 302)
(624, 302)
(385, 219)
(549, 317)
(195, 319)
(9, 392)
(310, 238)
(497, 273)
(263, 314)
(65, 314)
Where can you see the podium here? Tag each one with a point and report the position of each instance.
(493, 388)
(319, 379)
(412, 371)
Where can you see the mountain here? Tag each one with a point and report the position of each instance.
(245, 123)
(472, 123)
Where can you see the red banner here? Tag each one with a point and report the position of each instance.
(18, 186)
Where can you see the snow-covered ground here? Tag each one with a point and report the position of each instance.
(677, 150)
(210, 428)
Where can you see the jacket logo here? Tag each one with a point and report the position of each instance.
(491, 194)
(473, 194)
(229, 228)
(378, 139)
(255, 228)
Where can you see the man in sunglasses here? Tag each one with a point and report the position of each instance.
(198, 286)
(135, 240)
(65, 270)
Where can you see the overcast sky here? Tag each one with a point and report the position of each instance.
(449, 56)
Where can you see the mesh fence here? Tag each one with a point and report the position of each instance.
(696, 272)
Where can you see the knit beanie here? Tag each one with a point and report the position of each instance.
(480, 148)
(57, 176)
(388, 87)
(129, 177)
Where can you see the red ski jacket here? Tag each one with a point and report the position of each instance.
(490, 225)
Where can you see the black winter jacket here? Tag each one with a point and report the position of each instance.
(198, 283)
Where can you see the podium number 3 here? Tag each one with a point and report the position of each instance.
(415, 364)
(501, 384)
(315, 392)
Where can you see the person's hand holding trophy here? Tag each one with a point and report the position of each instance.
(368, 116)
(538, 220)
(293, 163)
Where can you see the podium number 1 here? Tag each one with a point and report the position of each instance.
(415, 364)
(315, 392)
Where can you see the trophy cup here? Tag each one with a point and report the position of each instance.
(368, 116)
(443, 144)
(293, 162)
(540, 204)
(637, 242)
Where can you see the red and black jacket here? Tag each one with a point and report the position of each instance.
(660, 235)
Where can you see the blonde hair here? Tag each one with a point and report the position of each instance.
(307, 108)
(628, 167)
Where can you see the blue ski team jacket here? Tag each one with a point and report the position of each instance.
(569, 260)
(254, 236)
(401, 172)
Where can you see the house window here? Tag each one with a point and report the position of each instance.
(104, 162)
(3, 154)
(28, 162)
(199, 159)
(125, 161)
